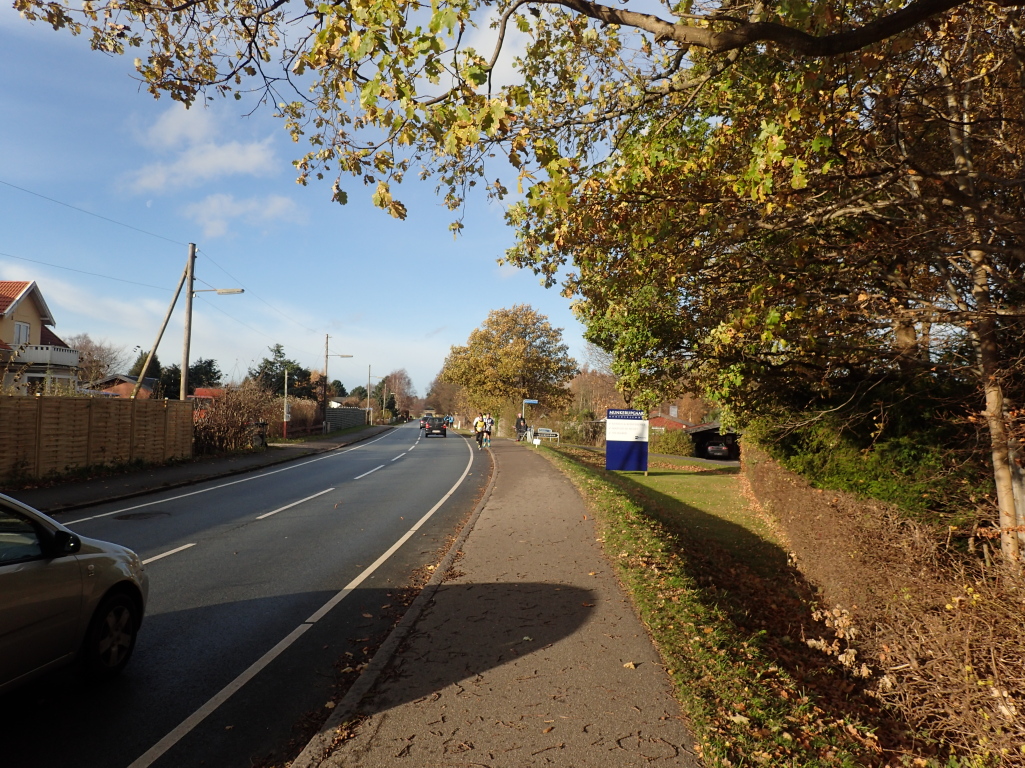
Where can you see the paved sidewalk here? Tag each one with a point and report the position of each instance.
(530, 654)
(83, 493)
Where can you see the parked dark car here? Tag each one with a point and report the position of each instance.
(435, 426)
(717, 450)
(63, 597)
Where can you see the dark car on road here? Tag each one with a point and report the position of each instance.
(435, 425)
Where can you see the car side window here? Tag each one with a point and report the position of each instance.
(19, 539)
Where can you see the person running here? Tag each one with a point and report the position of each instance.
(478, 428)
(489, 424)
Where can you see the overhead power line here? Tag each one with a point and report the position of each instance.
(151, 234)
(90, 213)
(83, 272)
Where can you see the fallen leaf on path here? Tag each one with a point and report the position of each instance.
(368, 616)
(630, 665)
(549, 729)
(588, 605)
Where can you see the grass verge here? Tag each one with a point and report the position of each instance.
(730, 616)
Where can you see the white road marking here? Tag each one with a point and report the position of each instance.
(330, 455)
(168, 553)
(398, 457)
(155, 752)
(294, 503)
(368, 473)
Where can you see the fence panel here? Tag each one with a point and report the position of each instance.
(18, 435)
(51, 435)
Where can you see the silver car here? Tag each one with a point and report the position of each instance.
(63, 597)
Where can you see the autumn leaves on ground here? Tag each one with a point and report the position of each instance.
(732, 617)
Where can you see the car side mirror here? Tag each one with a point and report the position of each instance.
(65, 543)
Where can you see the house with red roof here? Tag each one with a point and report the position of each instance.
(32, 357)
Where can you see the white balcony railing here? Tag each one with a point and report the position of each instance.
(48, 355)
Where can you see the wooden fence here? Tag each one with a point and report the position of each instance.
(52, 435)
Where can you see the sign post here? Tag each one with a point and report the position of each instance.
(626, 440)
(523, 409)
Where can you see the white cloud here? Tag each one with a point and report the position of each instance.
(179, 126)
(216, 212)
(190, 138)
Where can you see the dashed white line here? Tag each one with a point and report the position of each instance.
(157, 750)
(398, 457)
(368, 473)
(329, 455)
(149, 560)
(294, 503)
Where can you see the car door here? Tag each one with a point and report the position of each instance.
(40, 598)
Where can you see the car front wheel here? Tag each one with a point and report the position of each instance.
(111, 637)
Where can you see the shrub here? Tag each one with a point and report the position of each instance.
(925, 470)
(303, 416)
(226, 423)
(676, 442)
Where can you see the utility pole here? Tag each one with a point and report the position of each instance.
(326, 356)
(190, 278)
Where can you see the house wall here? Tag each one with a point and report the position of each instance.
(42, 436)
(25, 312)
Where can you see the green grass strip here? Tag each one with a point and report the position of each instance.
(695, 560)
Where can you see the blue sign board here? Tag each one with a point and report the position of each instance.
(626, 440)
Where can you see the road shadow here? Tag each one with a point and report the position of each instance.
(472, 628)
(184, 657)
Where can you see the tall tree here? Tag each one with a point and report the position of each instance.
(204, 372)
(798, 230)
(376, 87)
(152, 372)
(269, 373)
(516, 354)
(97, 359)
(359, 392)
(445, 397)
(401, 386)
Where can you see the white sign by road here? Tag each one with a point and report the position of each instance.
(626, 430)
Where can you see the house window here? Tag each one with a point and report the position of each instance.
(21, 333)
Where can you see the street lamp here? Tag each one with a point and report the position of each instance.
(287, 415)
(326, 356)
(370, 411)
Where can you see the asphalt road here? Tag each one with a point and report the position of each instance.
(253, 611)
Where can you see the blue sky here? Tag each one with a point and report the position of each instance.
(77, 128)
